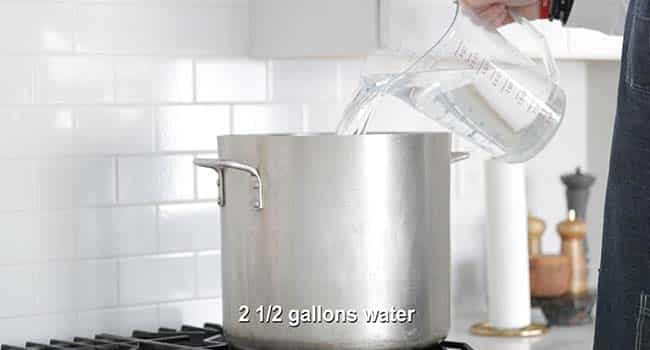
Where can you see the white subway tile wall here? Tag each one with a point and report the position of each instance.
(209, 266)
(121, 320)
(159, 278)
(189, 312)
(140, 80)
(267, 118)
(17, 184)
(74, 182)
(117, 231)
(16, 85)
(304, 80)
(73, 79)
(192, 128)
(148, 179)
(105, 224)
(188, 227)
(222, 80)
(36, 26)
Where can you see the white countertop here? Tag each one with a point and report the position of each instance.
(558, 338)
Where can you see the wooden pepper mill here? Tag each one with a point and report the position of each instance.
(536, 227)
(573, 233)
(549, 274)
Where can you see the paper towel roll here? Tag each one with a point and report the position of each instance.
(507, 246)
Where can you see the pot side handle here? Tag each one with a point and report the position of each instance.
(219, 165)
(458, 156)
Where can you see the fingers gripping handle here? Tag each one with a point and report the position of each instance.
(547, 56)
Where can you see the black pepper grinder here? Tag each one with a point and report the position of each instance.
(577, 194)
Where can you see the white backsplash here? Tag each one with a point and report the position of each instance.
(105, 224)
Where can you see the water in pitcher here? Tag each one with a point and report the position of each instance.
(487, 107)
(473, 81)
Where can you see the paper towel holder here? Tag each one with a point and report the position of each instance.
(508, 310)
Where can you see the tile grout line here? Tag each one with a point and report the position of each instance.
(158, 320)
(114, 80)
(195, 179)
(305, 118)
(119, 307)
(95, 156)
(162, 254)
(155, 133)
(138, 104)
(35, 203)
(77, 53)
(231, 119)
(32, 96)
(116, 165)
(42, 209)
(196, 274)
(118, 281)
(157, 229)
(269, 81)
(194, 81)
(339, 81)
(75, 32)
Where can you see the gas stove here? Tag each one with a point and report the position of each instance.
(210, 336)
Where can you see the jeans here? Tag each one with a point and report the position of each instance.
(623, 312)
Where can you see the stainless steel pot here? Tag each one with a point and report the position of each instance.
(324, 222)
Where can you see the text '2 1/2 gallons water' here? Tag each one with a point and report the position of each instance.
(505, 106)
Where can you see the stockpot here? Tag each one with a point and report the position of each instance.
(325, 222)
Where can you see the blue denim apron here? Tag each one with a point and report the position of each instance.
(623, 312)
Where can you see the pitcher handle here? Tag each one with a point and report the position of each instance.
(547, 56)
(219, 165)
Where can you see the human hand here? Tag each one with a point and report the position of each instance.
(497, 12)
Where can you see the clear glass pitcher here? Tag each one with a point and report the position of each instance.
(472, 81)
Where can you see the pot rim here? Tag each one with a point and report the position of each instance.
(331, 134)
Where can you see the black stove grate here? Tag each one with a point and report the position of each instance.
(208, 337)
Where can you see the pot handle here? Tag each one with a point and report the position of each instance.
(458, 156)
(219, 165)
